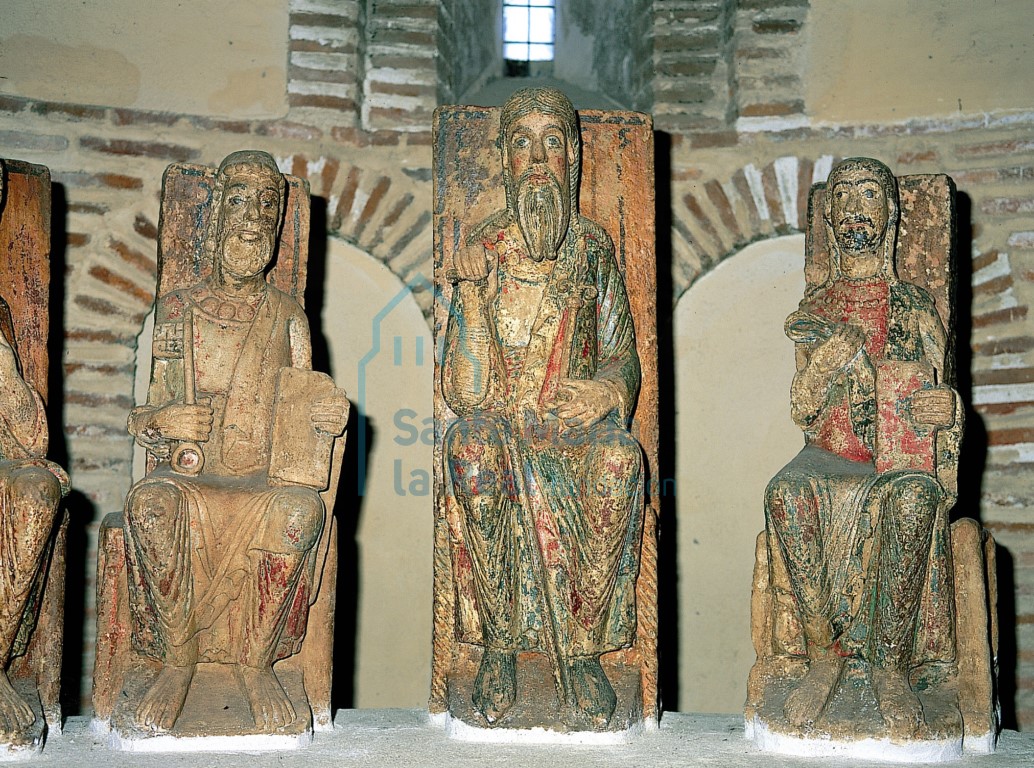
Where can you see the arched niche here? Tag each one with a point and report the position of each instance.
(733, 432)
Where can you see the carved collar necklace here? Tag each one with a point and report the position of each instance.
(224, 306)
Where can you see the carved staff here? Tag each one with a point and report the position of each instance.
(578, 295)
(549, 628)
(187, 457)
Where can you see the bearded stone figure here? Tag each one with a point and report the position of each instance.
(31, 487)
(859, 578)
(541, 368)
(223, 541)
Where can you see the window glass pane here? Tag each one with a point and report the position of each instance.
(516, 51)
(541, 25)
(543, 3)
(540, 52)
(515, 24)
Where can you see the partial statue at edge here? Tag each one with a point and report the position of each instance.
(860, 567)
(222, 534)
(540, 365)
(31, 488)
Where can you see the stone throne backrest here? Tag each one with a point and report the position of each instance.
(617, 192)
(183, 261)
(25, 286)
(925, 255)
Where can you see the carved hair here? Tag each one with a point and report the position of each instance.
(889, 184)
(547, 101)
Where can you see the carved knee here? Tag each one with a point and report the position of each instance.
(34, 494)
(300, 513)
(151, 508)
(474, 450)
(914, 503)
(784, 497)
(615, 464)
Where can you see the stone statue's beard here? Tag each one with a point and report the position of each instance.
(855, 238)
(542, 214)
(243, 255)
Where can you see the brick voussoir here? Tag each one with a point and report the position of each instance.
(93, 400)
(1004, 376)
(995, 286)
(144, 227)
(123, 285)
(1012, 345)
(1010, 436)
(1000, 317)
(144, 263)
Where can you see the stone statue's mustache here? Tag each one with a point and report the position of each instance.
(542, 212)
(857, 232)
(859, 218)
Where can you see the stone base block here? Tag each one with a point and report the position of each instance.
(537, 715)
(215, 716)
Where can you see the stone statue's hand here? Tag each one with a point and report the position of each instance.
(330, 415)
(933, 407)
(178, 421)
(471, 264)
(583, 402)
(839, 349)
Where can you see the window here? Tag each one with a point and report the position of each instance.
(528, 36)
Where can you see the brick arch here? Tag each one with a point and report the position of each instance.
(387, 215)
(716, 217)
(112, 286)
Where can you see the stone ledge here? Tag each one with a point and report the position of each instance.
(400, 738)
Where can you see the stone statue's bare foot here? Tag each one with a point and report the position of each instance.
(900, 707)
(593, 694)
(163, 702)
(270, 705)
(495, 687)
(15, 714)
(808, 700)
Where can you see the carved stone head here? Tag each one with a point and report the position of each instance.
(541, 153)
(861, 214)
(250, 203)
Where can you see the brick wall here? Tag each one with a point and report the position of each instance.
(769, 57)
(400, 81)
(366, 151)
(327, 43)
(692, 63)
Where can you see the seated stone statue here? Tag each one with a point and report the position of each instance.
(30, 491)
(541, 367)
(222, 552)
(858, 542)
